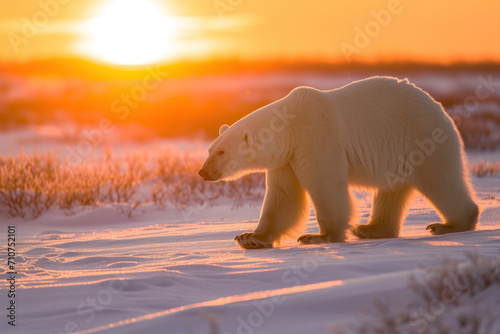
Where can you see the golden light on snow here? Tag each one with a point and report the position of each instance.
(130, 32)
(276, 293)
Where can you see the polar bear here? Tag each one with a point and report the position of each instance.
(380, 133)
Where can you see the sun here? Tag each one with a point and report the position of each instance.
(130, 32)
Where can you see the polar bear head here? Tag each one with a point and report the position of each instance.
(259, 141)
(231, 155)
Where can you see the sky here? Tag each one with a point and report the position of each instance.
(149, 31)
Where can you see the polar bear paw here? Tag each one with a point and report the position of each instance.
(369, 232)
(438, 228)
(312, 239)
(250, 240)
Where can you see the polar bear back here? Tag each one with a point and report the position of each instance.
(385, 126)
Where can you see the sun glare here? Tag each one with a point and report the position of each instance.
(130, 32)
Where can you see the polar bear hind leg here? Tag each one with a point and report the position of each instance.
(388, 210)
(450, 191)
(455, 205)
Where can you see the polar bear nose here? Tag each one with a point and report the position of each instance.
(203, 173)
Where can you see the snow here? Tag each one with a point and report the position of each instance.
(170, 271)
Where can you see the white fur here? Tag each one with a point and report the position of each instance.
(323, 142)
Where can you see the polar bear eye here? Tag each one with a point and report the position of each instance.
(220, 152)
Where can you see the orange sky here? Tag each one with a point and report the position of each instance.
(428, 30)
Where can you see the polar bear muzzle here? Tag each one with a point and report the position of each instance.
(209, 175)
(209, 172)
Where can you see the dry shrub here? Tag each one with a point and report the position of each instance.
(485, 169)
(448, 299)
(32, 184)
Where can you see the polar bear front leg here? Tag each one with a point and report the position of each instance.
(334, 210)
(283, 212)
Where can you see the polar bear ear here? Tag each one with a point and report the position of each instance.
(223, 128)
(247, 136)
